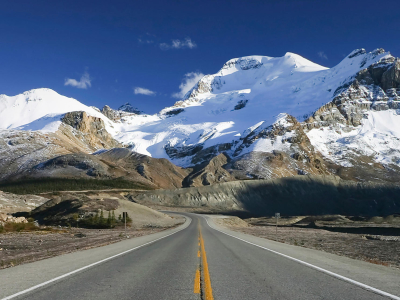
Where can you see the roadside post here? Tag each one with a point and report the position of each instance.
(80, 216)
(125, 214)
(277, 216)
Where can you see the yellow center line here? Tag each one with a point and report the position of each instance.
(206, 274)
(197, 282)
(198, 253)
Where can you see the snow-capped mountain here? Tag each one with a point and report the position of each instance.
(271, 117)
(40, 109)
(250, 94)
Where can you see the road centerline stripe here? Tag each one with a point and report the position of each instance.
(362, 285)
(196, 289)
(206, 274)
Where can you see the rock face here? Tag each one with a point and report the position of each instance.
(292, 152)
(126, 110)
(11, 203)
(373, 88)
(298, 195)
(92, 129)
(127, 107)
(4, 218)
(391, 77)
(210, 173)
(110, 113)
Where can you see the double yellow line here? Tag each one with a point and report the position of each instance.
(204, 271)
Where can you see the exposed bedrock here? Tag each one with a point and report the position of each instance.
(210, 173)
(373, 88)
(91, 128)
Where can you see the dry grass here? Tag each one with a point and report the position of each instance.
(24, 227)
(377, 262)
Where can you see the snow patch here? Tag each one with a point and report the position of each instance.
(377, 137)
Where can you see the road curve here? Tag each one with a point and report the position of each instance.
(195, 262)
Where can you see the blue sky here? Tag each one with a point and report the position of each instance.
(149, 52)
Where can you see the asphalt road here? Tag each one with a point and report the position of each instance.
(229, 268)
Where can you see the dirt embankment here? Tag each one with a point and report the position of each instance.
(297, 195)
(70, 208)
(59, 218)
(373, 240)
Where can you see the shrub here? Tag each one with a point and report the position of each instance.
(19, 227)
(98, 221)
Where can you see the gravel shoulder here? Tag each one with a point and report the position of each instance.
(25, 247)
(376, 249)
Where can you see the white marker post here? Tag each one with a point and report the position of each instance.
(277, 216)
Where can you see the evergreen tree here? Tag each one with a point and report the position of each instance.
(102, 220)
(128, 219)
(96, 218)
(109, 220)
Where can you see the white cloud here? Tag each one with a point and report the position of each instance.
(189, 80)
(322, 55)
(143, 91)
(145, 41)
(83, 83)
(178, 44)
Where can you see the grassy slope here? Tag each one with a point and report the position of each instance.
(36, 186)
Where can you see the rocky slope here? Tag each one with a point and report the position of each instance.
(120, 115)
(22, 152)
(11, 203)
(297, 195)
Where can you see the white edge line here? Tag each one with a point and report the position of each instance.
(367, 287)
(89, 266)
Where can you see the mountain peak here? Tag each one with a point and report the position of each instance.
(127, 107)
(32, 94)
(37, 107)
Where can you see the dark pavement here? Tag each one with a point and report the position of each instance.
(166, 269)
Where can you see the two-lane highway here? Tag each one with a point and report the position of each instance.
(200, 262)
